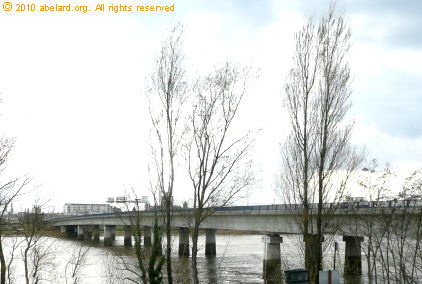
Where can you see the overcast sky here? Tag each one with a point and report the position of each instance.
(71, 86)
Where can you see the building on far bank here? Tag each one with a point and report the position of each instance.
(82, 209)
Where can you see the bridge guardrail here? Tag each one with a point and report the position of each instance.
(275, 207)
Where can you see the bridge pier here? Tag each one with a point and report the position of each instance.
(184, 241)
(353, 258)
(88, 233)
(109, 235)
(81, 235)
(113, 233)
(96, 233)
(63, 230)
(147, 236)
(272, 259)
(128, 236)
(210, 248)
(71, 232)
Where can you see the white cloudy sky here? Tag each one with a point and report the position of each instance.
(71, 86)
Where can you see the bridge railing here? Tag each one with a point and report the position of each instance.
(274, 207)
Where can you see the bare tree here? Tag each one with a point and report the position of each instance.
(376, 186)
(298, 151)
(76, 262)
(166, 97)
(218, 163)
(9, 192)
(13, 245)
(399, 235)
(42, 261)
(31, 224)
(336, 159)
(318, 159)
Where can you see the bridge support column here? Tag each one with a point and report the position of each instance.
(109, 231)
(88, 233)
(71, 232)
(81, 235)
(113, 233)
(147, 236)
(353, 258)
(96, 233)
(272, 259)
(210, 248)
(184, 242)
(63, 230)
(128, 236)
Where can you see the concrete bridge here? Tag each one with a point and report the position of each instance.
(269, 220)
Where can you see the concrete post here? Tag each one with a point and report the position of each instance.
(63, 230)
(108, 241)
(71, 232)
(184, 242)
(81, 235)
(113, 233)
(210, 242)
(74, 230)
(88, 233)
(128, 236)
(272, 258)
(147, 236)
(353, 258)
(96, 233)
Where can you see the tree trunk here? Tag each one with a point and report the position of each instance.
(25, 262)
(305, 199)
(318, 245)
(194, 254)
(168, 235)
(3, 264)
(369, 258)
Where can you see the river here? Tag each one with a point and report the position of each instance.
(239, 260)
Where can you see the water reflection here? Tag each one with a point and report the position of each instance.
(353, 280)
(183, 274)
(211, 264)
